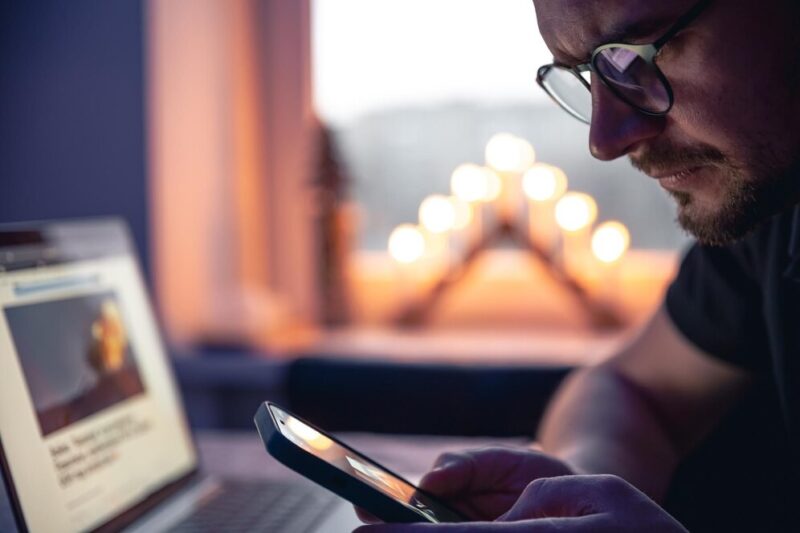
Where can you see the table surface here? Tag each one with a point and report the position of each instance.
(241, 455)
(234, 454)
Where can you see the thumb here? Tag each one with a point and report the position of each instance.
(563, 496)
(450, 476)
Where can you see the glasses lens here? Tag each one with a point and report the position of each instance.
(570, 93)
(636, 80)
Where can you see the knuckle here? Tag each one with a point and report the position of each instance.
(448, 457)
(609, 481)
(537, 487)
(613, 486)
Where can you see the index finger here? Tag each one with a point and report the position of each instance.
(451, 475)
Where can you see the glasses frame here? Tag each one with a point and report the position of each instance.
(648, 53)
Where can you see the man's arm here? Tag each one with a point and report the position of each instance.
(637, 414)
(634, 416)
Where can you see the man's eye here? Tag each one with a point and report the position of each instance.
(663, 54)
(671, 48)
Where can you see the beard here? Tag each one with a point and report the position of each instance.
(747, 198)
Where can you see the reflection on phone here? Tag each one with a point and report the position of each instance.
(381, 479)
(309, 435)
(360, 467)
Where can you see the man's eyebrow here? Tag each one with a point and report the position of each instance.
(625, 32)
(636, 30)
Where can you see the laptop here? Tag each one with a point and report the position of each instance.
(93, 433)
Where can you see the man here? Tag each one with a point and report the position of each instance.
(707, 102)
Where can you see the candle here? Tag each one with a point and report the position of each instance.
(493, 197)
(575, 213)
(407, 248)
(510, 156)
(610, 241)
(437, 214)
(543, 185)
(438, 217)
(460, 238)
(508, 153)
(471, 184)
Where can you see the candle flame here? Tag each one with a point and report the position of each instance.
(576, 211)
(509, 153)
(468, 183)
(406, 243)
(437, 214)
(543, 183)
(610, 241)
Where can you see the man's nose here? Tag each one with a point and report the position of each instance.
(617, 128)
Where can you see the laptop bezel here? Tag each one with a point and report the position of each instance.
(36, 233)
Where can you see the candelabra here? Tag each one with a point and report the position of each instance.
(484, 209)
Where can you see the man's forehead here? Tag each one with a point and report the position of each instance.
(573, 28)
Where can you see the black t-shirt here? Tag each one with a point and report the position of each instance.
(741, 304)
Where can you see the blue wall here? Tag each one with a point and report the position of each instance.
(72, 132)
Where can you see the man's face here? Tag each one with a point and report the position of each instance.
(725, 149)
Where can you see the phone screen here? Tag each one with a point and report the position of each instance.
(358, 466)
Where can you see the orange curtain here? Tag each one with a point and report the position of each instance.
(230, 125)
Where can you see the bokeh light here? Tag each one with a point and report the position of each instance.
(468, 183)
(437, 214)
(508, 153)
(576, 211)
(406, 243)
(610, 241)
(544, 183)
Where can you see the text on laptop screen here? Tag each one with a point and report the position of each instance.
(90, 421)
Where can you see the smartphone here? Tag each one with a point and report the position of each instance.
(311, 452)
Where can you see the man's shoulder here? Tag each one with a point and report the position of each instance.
(717, 299)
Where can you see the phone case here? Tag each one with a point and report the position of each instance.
(344, 485)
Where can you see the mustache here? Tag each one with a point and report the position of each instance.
(668, 156)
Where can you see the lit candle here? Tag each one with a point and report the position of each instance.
(460, 237)
(470, 184)
(493, 195)
(575, 213)
(510, 156)
(544, 185)
(610, 241)
(407, 248)
(437, 216)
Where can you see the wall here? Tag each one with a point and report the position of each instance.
(72, 108)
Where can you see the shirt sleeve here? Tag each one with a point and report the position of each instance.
(716, 303)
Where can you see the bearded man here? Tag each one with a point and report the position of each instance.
(703, 97)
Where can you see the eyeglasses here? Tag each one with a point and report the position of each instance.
(628, 70)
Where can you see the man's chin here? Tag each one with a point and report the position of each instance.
(724, 203)
(713, 226)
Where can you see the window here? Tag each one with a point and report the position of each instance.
(413, 88)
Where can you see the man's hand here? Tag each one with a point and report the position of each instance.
(482, 484)
(581, 504)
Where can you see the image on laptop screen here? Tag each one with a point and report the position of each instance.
(90, 421)
(95, 368)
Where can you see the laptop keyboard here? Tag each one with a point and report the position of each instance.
(266, 506)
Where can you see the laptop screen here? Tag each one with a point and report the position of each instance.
(90, 420)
